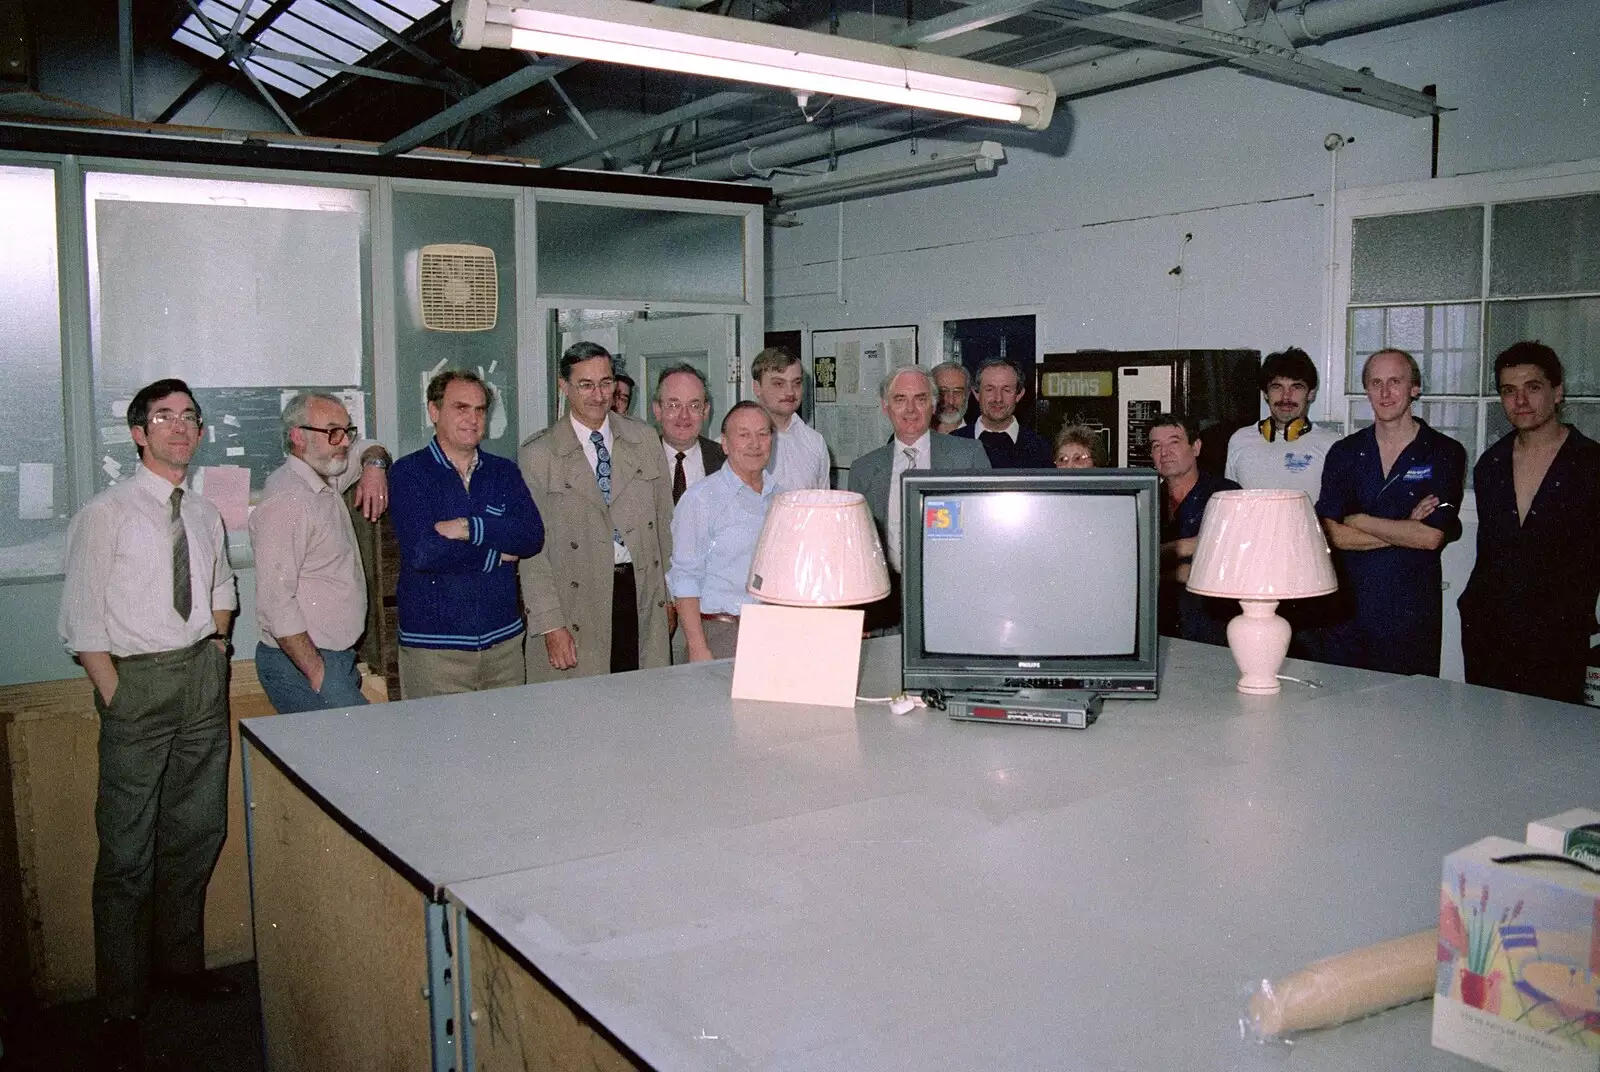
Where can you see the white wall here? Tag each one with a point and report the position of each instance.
(1088, 238)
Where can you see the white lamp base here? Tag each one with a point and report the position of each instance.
(1259, 640)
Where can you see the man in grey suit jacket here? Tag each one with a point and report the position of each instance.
(682, 405)
(907, 395)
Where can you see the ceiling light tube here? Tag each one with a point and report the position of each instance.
(651, 35)
(835, 186)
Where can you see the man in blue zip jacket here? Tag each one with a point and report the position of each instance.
(463, 518)
(1389, 502)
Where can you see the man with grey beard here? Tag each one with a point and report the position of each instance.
(311, 595)
(954, 385)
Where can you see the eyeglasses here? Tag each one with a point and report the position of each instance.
(336, 435)
(672, 409)
(588, 386)
(166, 417)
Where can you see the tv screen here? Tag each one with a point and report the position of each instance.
(1031, 579)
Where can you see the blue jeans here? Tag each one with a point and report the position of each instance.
(289, 690)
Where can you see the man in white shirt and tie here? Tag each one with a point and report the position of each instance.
(597, 593)
(799, 453)
(907, 395)
(145, 608)
(682, 405)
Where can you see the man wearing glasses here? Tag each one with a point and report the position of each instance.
(597, 593)
(311, 595)
(145, 607)
(681, 406)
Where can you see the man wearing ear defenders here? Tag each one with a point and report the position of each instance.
(1285, 451)
(1389, 498)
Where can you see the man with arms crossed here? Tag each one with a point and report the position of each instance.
(714, 532)
(954, 387)
(597, 593)
(311, 594)
(1389, 502)
(1185, 490)
(799, 455)
(1528, 610)
(462, 517)
(1008, 444)
(681, 406)
(907, 397)
(145, 607)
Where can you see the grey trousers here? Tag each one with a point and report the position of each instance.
(161, 815)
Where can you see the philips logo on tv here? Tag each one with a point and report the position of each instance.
(1027, 666)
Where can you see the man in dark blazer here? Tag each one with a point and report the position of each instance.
(682, 405)
(908, 401)
(1008, 444)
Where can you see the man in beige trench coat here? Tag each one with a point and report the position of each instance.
(596, 595)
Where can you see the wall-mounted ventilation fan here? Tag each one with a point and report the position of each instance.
(459, 287)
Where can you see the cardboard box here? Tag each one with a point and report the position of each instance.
(1519, 961)
(1575, 833)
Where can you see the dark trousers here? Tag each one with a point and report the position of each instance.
(624, 620)
(161, 814)
(1525, 658)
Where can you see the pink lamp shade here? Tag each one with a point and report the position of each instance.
(1260, 547)
(819, 549)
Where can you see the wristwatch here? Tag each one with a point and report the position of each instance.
(377, 461)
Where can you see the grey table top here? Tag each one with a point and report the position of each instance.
(1017, 898)
(459, 787)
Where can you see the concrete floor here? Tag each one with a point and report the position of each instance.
(177, 1034)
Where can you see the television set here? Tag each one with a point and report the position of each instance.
(1032, 580)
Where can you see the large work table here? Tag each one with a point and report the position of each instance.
(639, 871)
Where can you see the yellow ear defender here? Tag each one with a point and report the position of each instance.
(1297, 428)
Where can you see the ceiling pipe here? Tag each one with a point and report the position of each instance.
(1085, 72)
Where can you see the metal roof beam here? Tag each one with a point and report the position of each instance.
(230, 45)
(486, 98)
(350, 68)
(1270, 61)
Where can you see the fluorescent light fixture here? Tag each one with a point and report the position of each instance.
(836, 186)
(667, 39)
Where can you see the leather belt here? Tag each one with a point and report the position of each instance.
(622, 567)
(734, 618)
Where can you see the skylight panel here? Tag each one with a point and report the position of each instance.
(308, 28)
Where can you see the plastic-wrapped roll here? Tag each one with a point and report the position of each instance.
(1348, 986)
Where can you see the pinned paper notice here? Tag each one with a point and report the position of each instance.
(36, 491)
(236, 452)
(113, 435)
(119, 407)
(111, 468)
(228, 418)
(228, 488)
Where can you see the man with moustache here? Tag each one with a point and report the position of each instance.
(311, 595)
(799, 454)
(463, 518)
(1287, 450)
(906, 395)
(145, 608)
(681, 406)
(1389, 502)
(1008, 444)
(1528, 611)
(714, 532)
(597, 593)
(954, 386)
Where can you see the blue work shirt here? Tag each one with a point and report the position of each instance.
(714, 531)
(1182, 613)
(1394, 595)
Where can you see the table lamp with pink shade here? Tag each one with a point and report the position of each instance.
(1260, 547)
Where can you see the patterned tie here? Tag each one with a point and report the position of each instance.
(602, 472)
(680, 483)
(182, 596)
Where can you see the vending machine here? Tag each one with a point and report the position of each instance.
(1118, 393)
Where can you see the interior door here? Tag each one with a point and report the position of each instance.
(707, 341)
(1143, 393)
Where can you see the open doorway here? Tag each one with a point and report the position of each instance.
(1009, 338)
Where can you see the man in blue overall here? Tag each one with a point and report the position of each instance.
(1390, 496)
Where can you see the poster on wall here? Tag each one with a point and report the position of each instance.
(849, 365)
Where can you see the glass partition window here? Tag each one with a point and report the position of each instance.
(1418, 283)
(34, 499)
(605, 251)
(247, 291)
